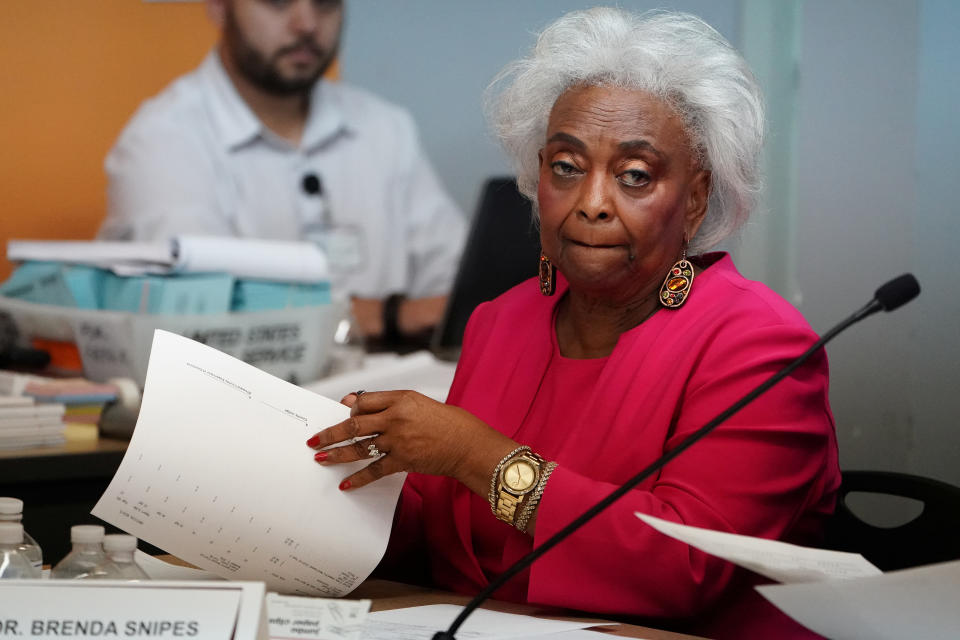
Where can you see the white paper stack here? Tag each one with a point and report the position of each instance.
(23, 423)
(275, 260)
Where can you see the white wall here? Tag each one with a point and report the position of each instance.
(877, 150)
(935, 347)
(871, 190)
(437, 56)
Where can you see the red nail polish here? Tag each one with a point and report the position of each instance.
(313, 441)
(344, 485)
(321, 456)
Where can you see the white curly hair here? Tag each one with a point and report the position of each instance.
(676, 57)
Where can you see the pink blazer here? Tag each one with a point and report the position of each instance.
(770, 471)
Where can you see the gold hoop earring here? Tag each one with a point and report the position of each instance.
(547, 275)
(676, 286)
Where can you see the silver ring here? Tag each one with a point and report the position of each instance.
(372, 450)
(359, 393)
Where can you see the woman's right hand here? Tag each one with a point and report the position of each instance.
(413, 433)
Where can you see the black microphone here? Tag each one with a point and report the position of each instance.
(890, 296)
(311, 184)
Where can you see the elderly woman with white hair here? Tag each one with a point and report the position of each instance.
(637, 137)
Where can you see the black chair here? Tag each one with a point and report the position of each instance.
(933, 536)
(502, 250)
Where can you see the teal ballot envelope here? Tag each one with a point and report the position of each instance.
(55, 283)
(189, 294)
(263, 295)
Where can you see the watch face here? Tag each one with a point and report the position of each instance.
(519, 475)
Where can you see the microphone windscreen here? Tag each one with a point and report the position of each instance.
(898, 292)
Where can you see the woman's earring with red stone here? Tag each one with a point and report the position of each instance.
(548, 276)
(676, 286)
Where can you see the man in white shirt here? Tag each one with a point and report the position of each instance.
(254, 143)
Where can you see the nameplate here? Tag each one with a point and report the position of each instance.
(99, 609)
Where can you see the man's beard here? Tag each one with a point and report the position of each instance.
(262, 71)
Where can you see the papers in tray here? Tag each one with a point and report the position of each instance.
(152, 257)
(242, 257)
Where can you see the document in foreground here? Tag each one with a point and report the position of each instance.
(911, 603)
(780, 561)
(218, 474)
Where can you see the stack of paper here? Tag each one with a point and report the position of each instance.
(242, 257)
(83, 403)
(55, 283)
(180, 295)
(143, 257)
(23, 423)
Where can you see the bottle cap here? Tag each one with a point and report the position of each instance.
(120, 542)
(86, 533)
(11, 506)
(128, 393)
(11, 533)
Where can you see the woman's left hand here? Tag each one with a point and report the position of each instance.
(413, 433)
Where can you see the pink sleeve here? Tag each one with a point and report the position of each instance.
(769, 471)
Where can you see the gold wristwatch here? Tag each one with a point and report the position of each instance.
(518, 477)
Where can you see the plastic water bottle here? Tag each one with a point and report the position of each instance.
(11, 510)
(120, 548)
(14, 564)
(87, 554)
(348, 350)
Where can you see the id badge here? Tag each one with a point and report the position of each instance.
(344, 246)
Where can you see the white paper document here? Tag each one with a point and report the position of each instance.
(912, 603)
(281, 260)
(295, 617)
(416, 623)
(146, 255)
(218, 473)
(778, 561)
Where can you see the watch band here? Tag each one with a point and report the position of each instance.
(524, 518)
(391, 313)
(507, 504)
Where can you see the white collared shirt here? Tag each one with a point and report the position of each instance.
(196, 160)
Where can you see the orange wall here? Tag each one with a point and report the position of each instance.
(72, 72)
